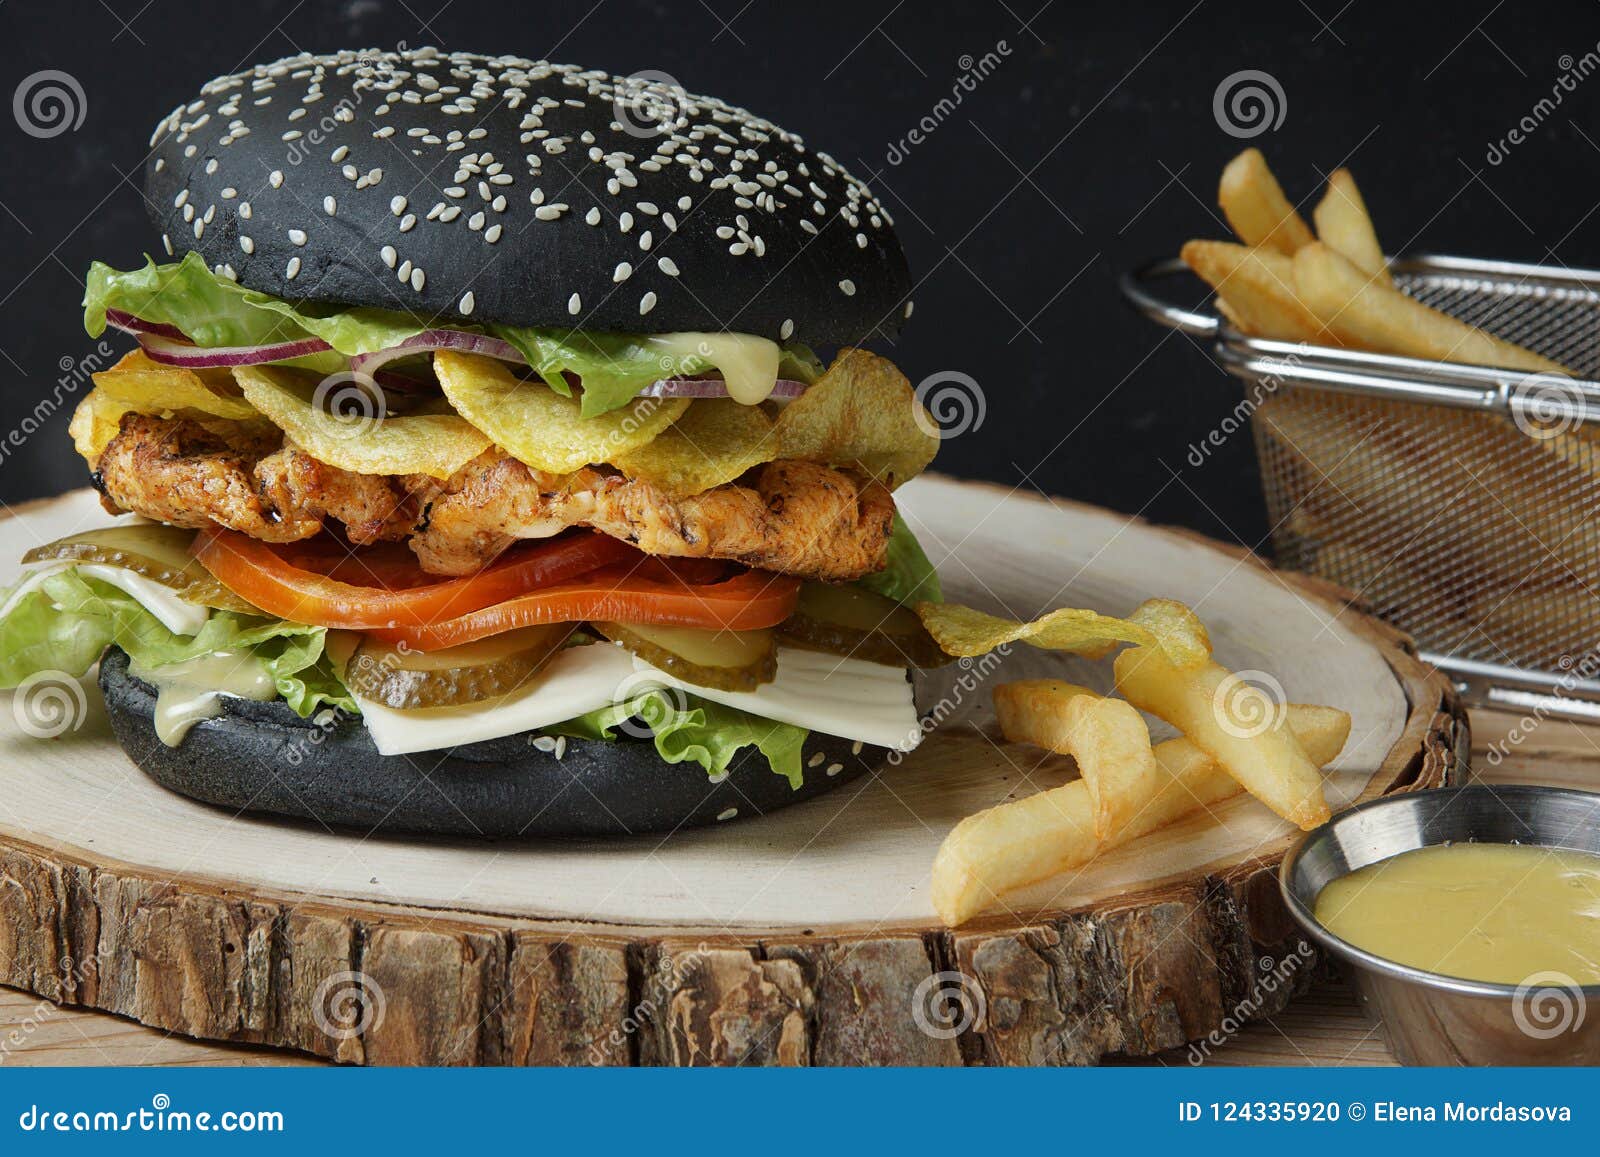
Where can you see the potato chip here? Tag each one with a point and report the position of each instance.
(152, 388)
(862, 412)
(341, 424)
(533, 423)
(95, 422)
(715, 441)
(968, 633)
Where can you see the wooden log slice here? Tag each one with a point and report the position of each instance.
(804, 937)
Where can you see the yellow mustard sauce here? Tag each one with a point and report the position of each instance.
(1490, 912)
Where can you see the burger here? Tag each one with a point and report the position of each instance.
(474, 467)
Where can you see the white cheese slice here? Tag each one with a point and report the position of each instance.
(177, 615)
(844, 697)
(577, 681)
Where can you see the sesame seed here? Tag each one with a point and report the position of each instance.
(855, 748)
(492, 234)
(667, 265)
(621, 273)
(408, 222)
(397, 206)
(247, 244)
(645, 240)
(625, 222)
(593, 215)
(847, 287)
(547, 212)
(816, 758)
(418, 279)
(389, 255)
(647, 303)
(297, 236)
(467, 302)
(404, 272)
(727, 813)
(330, 206)
(275, 178)
(786, 330)
(292, 270)
(834, 768)
(574, 305)
(909, 304)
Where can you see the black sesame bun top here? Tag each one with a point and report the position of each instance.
(462, 188)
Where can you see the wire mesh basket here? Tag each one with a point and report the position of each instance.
(1460, 503)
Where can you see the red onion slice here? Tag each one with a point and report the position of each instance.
(182, 353)
(438, 339)
(127, 323)
(712, 388)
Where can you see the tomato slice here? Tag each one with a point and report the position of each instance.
(746, 602)
(258, 574)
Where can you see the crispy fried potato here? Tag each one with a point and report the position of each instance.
(1257, 287)
(1033, 711)
(95, 422)
(715, 441)
(862, 412)
(152, 388)
(538, 426)
(365, 441)
(1019, 843)
(1111, 743)
(1247, 736)
(1343, 222)
(1368, 314)
(1256, 208)
(966, 632)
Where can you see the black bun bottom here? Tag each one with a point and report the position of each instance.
(263, 758)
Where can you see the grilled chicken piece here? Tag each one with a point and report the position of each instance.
(797, 518)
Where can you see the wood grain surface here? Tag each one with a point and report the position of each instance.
(804, 938)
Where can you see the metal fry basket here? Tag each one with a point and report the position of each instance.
(1461, 503)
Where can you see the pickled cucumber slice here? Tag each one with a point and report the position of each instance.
(407, 679)
(151, 550)
(860, 624)
(725, 660)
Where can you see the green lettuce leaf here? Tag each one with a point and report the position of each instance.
(908, 577)
(699, 731)
(68, 621)
(213, 310)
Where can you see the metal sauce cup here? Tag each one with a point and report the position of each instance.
(1431, 1019)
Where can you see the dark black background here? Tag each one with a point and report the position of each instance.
(1091, 146)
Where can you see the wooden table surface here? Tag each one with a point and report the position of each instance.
(1324, 1027)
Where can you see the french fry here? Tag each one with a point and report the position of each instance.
(1107, 738)
(1344, 223)
(1254, 204)
(1262, 754)
(1032, 711)
(1258, 288)
(1370, 315)
(1015, 844)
